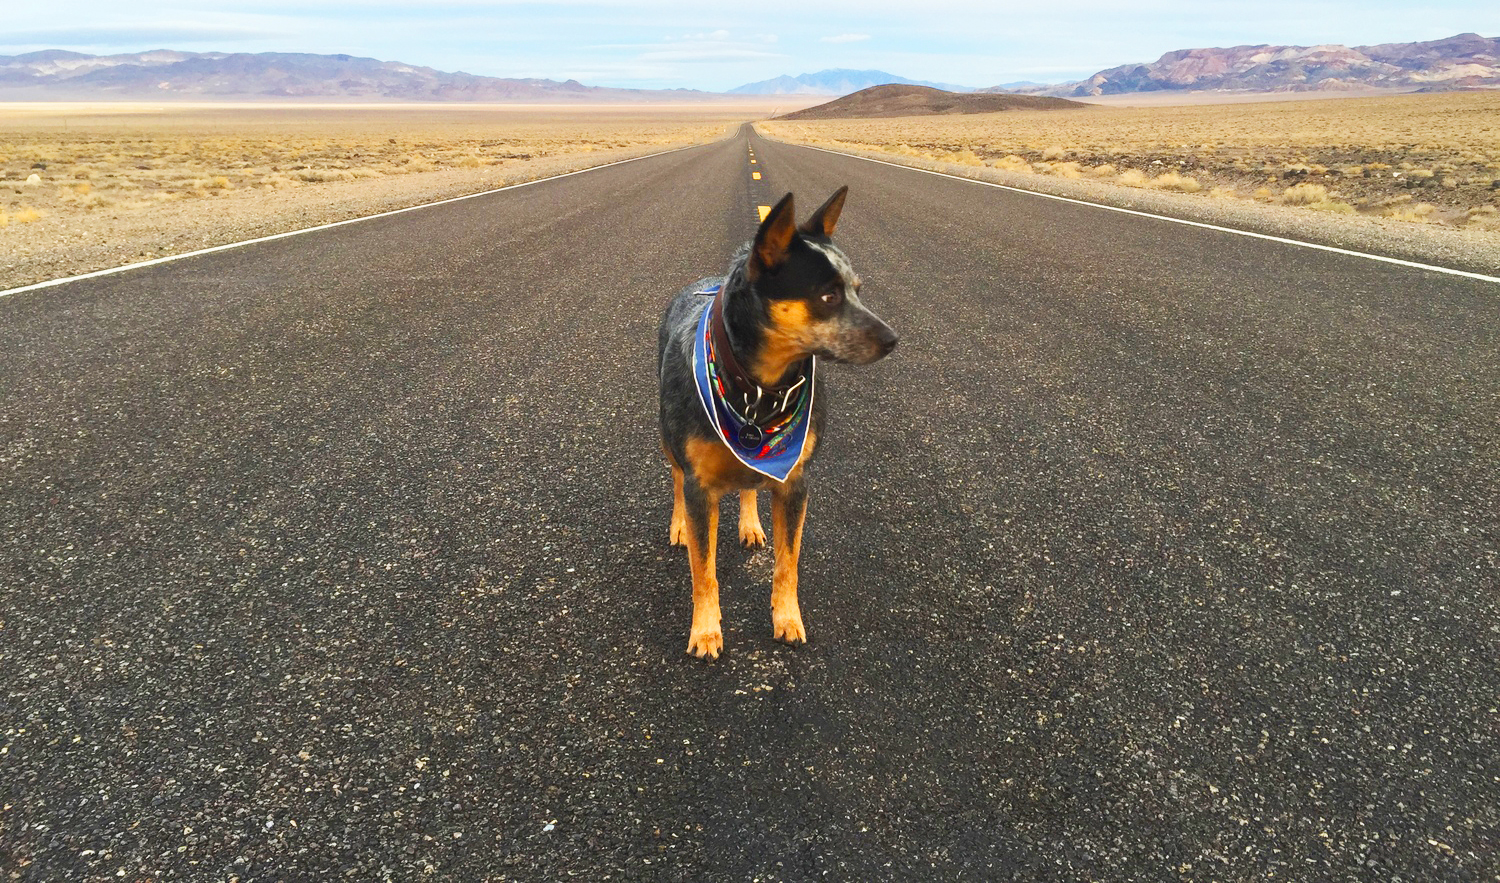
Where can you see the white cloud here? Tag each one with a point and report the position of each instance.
(709, 53)
(165, 33)
(713, 46)
(844, 38)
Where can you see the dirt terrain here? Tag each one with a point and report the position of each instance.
(1431, 158)
(84, 187)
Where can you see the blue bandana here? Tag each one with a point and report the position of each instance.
(780, 445)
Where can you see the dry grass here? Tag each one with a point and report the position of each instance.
(69, 162)
(1444, 148)
(1420, 213)
(1011, 163)
(1485, 217)
(1314, 196)
(1179, 183)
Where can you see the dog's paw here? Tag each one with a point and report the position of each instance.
(788, 629)
(678, 535)
(707, 645)
(752, 535)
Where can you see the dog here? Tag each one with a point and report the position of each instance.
(740, 407)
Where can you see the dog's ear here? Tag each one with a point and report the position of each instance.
(826, 218)
(774, 236)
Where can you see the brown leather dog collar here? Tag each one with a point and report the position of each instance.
(727, 361)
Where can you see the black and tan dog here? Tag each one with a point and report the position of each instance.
(740, 408)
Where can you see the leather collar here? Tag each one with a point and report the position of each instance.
(726, 361)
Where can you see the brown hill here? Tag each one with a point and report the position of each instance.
(910, 101)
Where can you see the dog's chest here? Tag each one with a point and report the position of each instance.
(719, 471)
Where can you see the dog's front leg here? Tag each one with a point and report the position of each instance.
(705, 640)
(751, 533)
(678, 531)
(788, 509)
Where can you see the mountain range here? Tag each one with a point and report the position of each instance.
(837, 81)
(57, 74)
(1465, 61)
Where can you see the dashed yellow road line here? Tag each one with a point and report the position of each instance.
(762, 210)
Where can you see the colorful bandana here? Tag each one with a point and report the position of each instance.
(781, 444)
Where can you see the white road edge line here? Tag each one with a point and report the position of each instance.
(1128, 211)
(411, 208)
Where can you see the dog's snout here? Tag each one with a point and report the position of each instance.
(881, 338)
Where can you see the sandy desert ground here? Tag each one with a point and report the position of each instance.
(84, 187)
(1424, 158)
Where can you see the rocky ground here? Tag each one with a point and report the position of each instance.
(1471, 242)
(1455, 190)
(59, 244)
(1411, 204)
(1424, 159)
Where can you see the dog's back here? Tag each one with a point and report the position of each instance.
(679, 410)
(681, 317)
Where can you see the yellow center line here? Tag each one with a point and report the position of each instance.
(755, 175)
(763, 210)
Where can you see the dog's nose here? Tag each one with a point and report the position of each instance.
(886, 340)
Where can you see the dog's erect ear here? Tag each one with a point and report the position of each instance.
(826, 218)
(775, 235)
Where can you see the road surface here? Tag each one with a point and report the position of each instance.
(1153, 553)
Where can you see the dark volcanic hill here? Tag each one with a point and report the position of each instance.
(911, 101)
(60, 75)
(1464, 61)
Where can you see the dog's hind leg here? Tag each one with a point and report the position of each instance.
(678, 531)
(705, 640)
(751, 533)
(788, 509)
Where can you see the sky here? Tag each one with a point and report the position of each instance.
(716, 45)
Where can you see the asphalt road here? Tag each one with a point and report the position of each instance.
(1153, 553)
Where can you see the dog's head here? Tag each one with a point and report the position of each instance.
(810, 292)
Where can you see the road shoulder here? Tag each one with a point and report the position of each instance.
(1471, 250)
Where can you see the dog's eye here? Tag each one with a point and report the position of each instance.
(833, 297)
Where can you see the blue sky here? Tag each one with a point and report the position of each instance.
(718, 45)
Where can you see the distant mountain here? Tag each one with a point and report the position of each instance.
(56, 74)
(838, 81)
(906, 101)
(1018, 86)
(1459, 62)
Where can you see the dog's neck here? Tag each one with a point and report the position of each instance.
(770, 359)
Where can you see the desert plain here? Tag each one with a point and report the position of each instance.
(1424, 158)
(89, 186)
